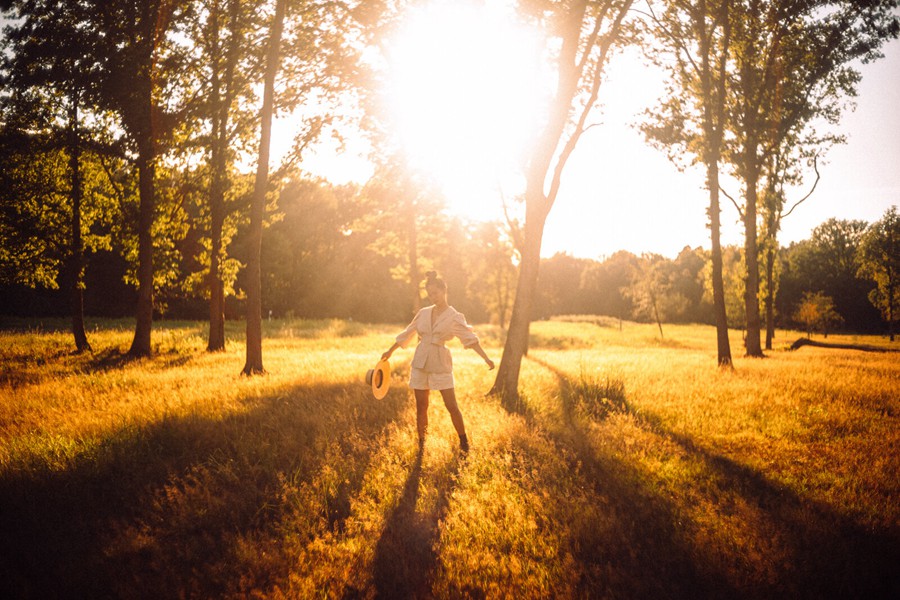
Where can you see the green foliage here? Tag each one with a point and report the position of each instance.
(879, 261)
(36, 210)
(816, 312)
(828, 262)
(652, 290)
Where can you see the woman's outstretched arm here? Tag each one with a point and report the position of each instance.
(390, 351)
(480, 351)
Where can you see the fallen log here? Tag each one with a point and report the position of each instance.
(863, 347)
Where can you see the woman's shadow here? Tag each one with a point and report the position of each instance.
(405, 555)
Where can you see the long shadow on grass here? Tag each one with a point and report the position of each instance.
(833, 556)
(405, 556)
(643, 554)
(154, 511)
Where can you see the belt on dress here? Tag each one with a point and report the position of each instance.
(432, 340)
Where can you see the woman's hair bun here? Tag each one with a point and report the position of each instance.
(431, 278)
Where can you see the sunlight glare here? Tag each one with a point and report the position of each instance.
(465, 93)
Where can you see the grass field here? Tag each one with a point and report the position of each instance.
(631, 468)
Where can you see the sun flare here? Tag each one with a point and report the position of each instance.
(464, 95)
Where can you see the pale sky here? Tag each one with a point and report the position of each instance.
(663, 210)
(620, 194)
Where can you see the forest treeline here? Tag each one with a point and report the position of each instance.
(343, 252)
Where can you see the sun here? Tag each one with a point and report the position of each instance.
(465, 94)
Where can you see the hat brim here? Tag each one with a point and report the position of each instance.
(381, 379)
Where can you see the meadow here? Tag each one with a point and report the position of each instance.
(631, 467)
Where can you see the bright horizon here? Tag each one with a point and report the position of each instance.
(618, 193)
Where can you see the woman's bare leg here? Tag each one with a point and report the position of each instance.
(421, 413)
(453, 408)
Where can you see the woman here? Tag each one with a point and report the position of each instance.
(432, 365)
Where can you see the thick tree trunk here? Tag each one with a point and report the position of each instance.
(77, 253)
(547, 163)
(254, 363)
(751, 257)
(146, 163)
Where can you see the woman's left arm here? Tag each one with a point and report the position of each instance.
(467, 336)
(480, 351)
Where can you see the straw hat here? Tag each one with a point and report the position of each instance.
(380, 379)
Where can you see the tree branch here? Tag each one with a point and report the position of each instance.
(806, 197)
(733, 201)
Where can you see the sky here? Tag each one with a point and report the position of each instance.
(661, 210)
(618, 193)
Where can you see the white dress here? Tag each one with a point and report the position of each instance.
(432, 365)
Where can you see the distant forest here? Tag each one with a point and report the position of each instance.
(342, 252)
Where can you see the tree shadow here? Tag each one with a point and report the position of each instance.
(833, 556)
(405, 555)
(183, 489)
(111, 359)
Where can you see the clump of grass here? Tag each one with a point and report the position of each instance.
(600, 398)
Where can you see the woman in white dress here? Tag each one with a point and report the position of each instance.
(432, 365)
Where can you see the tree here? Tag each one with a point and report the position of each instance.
(879, 260)
(791, 67)
(585, 33)
(694, 45)
(652, 290)
(406, 208)
(492, 265)
(138, 57)
(774, 210)
(606, 285)
(816, 311)
(223, 66)
(47, 81)
(310, 49)
(254, 363)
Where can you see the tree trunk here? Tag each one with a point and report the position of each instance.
(770, 296)
(516, 346)
(751, 255)
(77, 255)
(254, 364)
(658, 320)
(891, 307)
(146, 163)
(713, 123)
(718, 285)
(216, 341)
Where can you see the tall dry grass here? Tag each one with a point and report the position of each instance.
(631, 468)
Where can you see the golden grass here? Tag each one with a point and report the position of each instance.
(631, 468)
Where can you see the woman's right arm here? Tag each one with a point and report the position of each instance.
(387, 354)
(404, 338)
